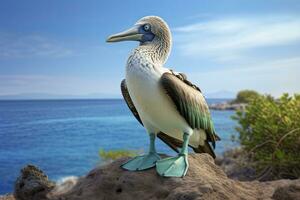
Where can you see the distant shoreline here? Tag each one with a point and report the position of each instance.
(227, 106)
(66, 99)
(215, 104)
(82, 99)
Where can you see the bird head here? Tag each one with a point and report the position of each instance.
(152, 32)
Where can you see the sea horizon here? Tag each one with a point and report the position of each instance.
(70, 99)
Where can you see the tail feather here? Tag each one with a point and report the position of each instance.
(217, 137)
(206, 148)
(175, 144)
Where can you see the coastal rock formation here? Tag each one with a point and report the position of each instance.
(7, 197)
(235, 164)
(32, 184)
(204, 180)
(227, 106)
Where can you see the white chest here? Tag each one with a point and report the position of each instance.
(155, 108)
(142, 81)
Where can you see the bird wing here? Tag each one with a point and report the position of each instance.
(191, 105)
(171, 142)
(129, 101)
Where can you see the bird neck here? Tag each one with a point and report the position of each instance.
(157, 51)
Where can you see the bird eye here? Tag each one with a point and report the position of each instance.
(147, 27)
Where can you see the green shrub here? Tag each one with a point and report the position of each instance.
(270, 132)
(245, 96)
(115, 154)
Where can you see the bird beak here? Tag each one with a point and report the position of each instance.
(131, 34)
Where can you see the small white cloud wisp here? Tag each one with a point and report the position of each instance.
(227, 38)
(21, 46)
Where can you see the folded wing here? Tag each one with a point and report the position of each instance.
(191, 105)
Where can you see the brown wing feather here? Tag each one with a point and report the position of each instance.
(129, 102)
(192, 106)
(183, 78)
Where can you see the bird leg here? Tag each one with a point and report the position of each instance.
(175, 166)
(144, 161)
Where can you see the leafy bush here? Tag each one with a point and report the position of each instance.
(270, 132)
(245, 96)
(115, 154)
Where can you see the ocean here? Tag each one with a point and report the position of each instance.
(63, 137)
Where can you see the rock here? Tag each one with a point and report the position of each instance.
(7, 197)
(204, 180)
(227, 106)
(288, 192)
(32, 184)
(236, 165)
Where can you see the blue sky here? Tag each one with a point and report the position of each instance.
(58, 47)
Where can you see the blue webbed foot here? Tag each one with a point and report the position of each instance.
(141, 162)
(173, 167)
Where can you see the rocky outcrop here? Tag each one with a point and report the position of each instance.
(235, 164)
(32, 184)
(287, 192)
(227, 106)
(7, 197)
(204, 180)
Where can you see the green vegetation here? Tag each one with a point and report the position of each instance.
(270, 132)
(245, 96)
(115, 154)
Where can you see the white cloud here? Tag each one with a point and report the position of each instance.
(21, 46)
(226, 39)
(58, 85)
(272, 77)
(250, 52)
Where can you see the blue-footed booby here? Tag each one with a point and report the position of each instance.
(168, 105)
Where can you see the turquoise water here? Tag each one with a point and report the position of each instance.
(63, 137)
